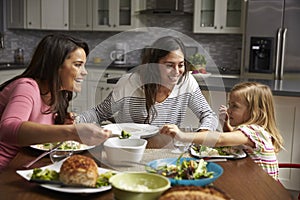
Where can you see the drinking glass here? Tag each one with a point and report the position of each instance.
(182, 147)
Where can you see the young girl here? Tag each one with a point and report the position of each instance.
(249, 121)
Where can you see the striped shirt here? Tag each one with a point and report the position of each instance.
(263, 153)
(127, 104)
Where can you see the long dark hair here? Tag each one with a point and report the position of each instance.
(44, 66)
(150, 75)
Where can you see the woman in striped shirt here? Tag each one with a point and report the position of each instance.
(248, 121)
(158, 92)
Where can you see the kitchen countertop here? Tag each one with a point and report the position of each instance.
(213, 83)
(11, 66)
(278, 87)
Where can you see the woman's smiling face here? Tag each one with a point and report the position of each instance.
(171, 68)
(73, 71)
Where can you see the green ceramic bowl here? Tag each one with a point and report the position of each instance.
(138, 185)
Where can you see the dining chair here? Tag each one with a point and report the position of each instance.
(290, 165)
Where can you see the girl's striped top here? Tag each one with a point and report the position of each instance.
(263, 153)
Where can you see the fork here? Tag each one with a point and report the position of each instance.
(42, 155)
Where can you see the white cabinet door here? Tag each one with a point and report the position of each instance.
(55, 14)
(81, 17)
(218, 16)
(8, 74)
(80, 100)
(116, 15)
(98, 88)
(16, 13)
(33, 14)
(288, 118)
(38, 14)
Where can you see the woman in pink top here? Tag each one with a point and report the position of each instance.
(33, 105)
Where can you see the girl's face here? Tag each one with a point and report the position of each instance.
(171, 68)
(73, 71)
(238, 110)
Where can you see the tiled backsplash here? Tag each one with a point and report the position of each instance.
(224, 50)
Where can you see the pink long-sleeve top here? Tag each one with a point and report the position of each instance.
(19, 101)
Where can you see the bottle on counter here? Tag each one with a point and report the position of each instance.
(19, 56)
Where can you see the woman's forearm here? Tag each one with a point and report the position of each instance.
(34, 133)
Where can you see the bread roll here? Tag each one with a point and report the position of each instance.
(194, 193)
(79, 170)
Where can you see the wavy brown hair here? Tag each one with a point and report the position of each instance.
(44, 66)
(150, 74)
(260, 104)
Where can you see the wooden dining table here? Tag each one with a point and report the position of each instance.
(241, 179)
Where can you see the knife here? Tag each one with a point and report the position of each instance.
(42, 155)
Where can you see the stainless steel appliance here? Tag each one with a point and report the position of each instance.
(272, 44)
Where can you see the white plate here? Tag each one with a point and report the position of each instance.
(136, 130)
(239, 153)
(56, 166)
(79, 147)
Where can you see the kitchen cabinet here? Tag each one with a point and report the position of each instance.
(288, 118)
(116, 15)
(8, 74)
(219, 16)
(98, 88)
(79, 101)
(80, 14)
(16, 13)
(38, 14)
(33, 10)
(55, 14)
(95, 88)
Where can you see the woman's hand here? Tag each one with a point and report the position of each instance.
(91, 134)
(224, 119)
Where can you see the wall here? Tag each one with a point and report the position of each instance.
(223, 49)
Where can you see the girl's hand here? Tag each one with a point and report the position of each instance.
(224, 118)
(91, 134)
(172, 130)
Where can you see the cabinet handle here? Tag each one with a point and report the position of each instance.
(221, 27)
(29, 23)
(114, 25)
(215, 27)
(109, 25)
(87, 25)
(107, 88)
(66, 24)
(102, 88)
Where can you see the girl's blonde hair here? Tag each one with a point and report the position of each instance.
(260, 104)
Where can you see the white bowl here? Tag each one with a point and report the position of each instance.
(123, 151)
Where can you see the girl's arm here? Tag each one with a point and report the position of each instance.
(208, 138)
